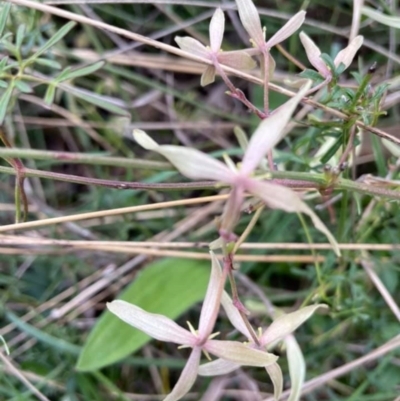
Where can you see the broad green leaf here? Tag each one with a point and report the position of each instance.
(168, 287)
(79, 72)
(4, 11)
(4, 101)
(98, 100)
(54, 39)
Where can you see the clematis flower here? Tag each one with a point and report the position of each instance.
(251, 22)
(236, 59)
(165, 329)
(280, 329)
(197, 165)
(345, 56)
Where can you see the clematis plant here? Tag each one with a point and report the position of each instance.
(197, 165)
(236, 59)
(345, 56)
(165, 329)
(279, 330)
(252, 24)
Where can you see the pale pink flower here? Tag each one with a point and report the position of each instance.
(345, 56)
(198, 165)
(279, 330)
(236, 59)
(251, 22)
(164, 329)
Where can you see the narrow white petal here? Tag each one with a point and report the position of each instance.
(190, 162)
(346, 55)
(239, 353)
(187, 378)
(210, 308)
(237, 59)
(208, 76)
(314, 55)
(275, 373)
(157, 326)
(288, 29)
(250, 20)
(288, 323)
(232, 208)
(279, 197)
(217, 27)
(270, 132)
(234, 315)
(192, 46)
(217, 368)
(297, 367)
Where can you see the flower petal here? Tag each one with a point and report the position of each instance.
(157, 326)
(279, 197)
(251, 21)
(270, 132)
(234, 315)
(297, 367)
(239, 353)
(190, 162)
(217, 27)
(217, 367)
(208, 76)
(238, 59)
(210, 308)
(187, 378)
(192, 46)
(314, 55)
(288, 323)
(275, 373)
(232, 208)
(288, 29)
(346, 55)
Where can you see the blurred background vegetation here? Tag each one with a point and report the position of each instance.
(70, 97)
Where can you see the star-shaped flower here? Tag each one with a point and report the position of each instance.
(280, 329)
(165, 329)
(236, 59)
(251, 22)
(197, 165)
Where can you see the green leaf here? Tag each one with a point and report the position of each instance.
(50, 93)
(388, 20)
(79, 72)
(48, 63)
(54, 39)
(20, 36)
(4, 101)
(168, 287)
(327, 59)
(331, 152)
(98, 100)
(5, 10)
(23, 86)
(311, 74)
(47, 339)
